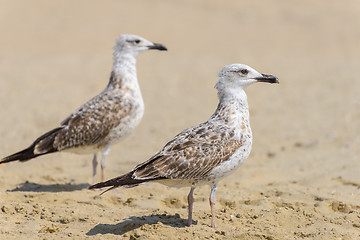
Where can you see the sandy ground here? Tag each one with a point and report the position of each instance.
(302, 178)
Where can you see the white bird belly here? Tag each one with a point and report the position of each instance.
(234, 162)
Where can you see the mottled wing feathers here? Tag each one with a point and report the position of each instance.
(92, 122)
(89, 125)
(191, 155)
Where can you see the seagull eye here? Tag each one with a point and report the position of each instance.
(137, 41)
(244, 71)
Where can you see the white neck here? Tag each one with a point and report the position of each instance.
(233, 108)
(227, 94)
(123, 72)
(124, 65)
(123, 79)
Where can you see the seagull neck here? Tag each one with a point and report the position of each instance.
(233, 107)
(123, 71)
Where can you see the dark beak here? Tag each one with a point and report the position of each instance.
(158, 46)
(268, 78)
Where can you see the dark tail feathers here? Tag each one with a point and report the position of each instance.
(125, 180)
(23, 155)
(46, 143)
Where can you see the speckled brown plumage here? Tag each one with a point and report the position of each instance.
(106, 118)
(207, 152)
(192, 154)
(92, 123)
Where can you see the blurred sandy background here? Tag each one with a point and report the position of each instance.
(302, 179)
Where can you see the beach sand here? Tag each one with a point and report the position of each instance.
(302, 178)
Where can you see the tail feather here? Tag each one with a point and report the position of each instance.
(125, 180)
(23, 155)
(46, 142)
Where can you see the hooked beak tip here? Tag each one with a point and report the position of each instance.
(158, 46)
(268, 79)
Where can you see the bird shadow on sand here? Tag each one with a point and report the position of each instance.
(136, 222)
(35, 187)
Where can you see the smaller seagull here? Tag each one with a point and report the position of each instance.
(205, 153)
(106, 118)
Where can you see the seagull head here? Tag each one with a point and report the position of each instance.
(134, 45)
(241, 75)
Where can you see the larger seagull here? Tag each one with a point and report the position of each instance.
(106, 118)
(208, 152)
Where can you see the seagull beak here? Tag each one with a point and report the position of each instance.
(267, 78)
(158, 46)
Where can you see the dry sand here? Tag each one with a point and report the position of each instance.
(302, 179)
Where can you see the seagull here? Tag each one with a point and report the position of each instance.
(205, 153)
(106, 118)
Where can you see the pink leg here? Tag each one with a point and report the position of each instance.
(190, 204)
(94, 165)
(212, 201)
(105, 152)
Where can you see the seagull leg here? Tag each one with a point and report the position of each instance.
(94, 165)
(190, 204)
(212, 201)
(105, 152)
